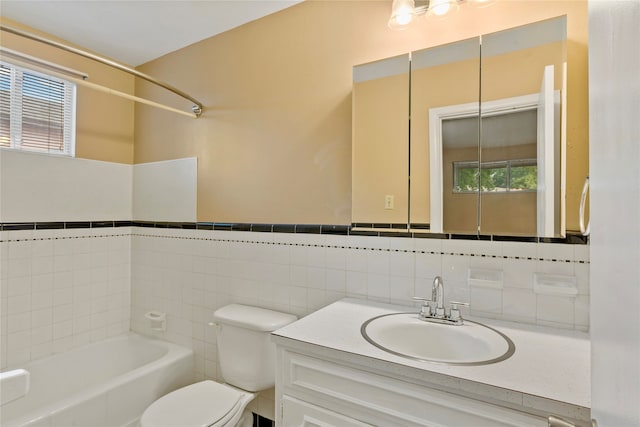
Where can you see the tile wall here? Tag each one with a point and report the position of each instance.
(62, 289)
(68, 287)
(190, 273)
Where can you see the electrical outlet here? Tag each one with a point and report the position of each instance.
(388, 201)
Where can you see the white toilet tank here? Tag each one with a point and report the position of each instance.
(245, 351)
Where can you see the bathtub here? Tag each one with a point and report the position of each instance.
(104, 384)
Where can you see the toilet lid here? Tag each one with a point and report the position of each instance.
(198, 405)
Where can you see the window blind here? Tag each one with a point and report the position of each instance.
(37, 112)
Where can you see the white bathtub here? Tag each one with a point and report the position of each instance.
(108, 383)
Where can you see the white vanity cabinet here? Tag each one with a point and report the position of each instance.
(317, 392)
(327, 374)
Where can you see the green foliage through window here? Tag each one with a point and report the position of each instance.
(497, 176)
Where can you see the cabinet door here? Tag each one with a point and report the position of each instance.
(385, 401)
(297, 413)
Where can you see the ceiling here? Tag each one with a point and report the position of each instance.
(135, 32)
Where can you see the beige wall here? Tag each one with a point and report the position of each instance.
(432, 87)
(274, 143)
(104, 122)
(380, 152)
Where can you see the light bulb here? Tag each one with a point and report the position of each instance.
(442, 7)
(402, 13)
(404, 16)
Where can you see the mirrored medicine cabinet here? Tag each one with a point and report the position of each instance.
(465, 138)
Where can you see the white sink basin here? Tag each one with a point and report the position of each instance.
(403, 334)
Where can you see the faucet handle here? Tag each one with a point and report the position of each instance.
(425, 309)
(454, 313)
(456, 303)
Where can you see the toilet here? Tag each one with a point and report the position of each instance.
(247, 361)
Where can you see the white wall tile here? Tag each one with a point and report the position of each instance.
(519, 304)
(356, 283)
(518, 273)
(550, 267)
(582, 278)
(487, 262)
(456, 246)
(581, 312)
(378, 262)
(101, 189)
(581, 253)
(18, 286)
(54, 300)
(336, 280)
(557, 310)
(455, 268)
(402, 263)
(18, 322)
(19, 267)
(20, 249)
(401, 289)
(428, 265)
(428, 245)
(62, 329)
(19, 304)
(42, 283)
(485, 247)
(521, 250)
(336, 258)
(551, 251)
(41, 335)
(165, 191)
(41, 317)
(484, 300)
(100, 286)
(378, 286)
(357, 260)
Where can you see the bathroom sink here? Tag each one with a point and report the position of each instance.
(403, 334)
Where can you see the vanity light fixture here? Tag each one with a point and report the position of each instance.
(403, 12)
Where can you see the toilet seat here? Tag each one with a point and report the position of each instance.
(203, 404)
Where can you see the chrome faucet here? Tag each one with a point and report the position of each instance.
(433, 309)
(437, 296)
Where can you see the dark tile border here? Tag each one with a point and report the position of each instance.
(342, 230)
(20, 226)
(262, 228)
(102, 224)
(49, 225)
(356, 229)
(284, 228)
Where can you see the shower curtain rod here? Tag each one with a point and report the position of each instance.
(81, 82)
(196, 109)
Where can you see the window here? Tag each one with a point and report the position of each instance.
(495, 177)
(37, 112)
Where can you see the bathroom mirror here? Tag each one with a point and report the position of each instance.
(485, 153)
(380, 170)
(522, 136)
(442, 77)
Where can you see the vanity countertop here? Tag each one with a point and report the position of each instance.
(549, 371)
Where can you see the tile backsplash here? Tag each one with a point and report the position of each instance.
(63, 288)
